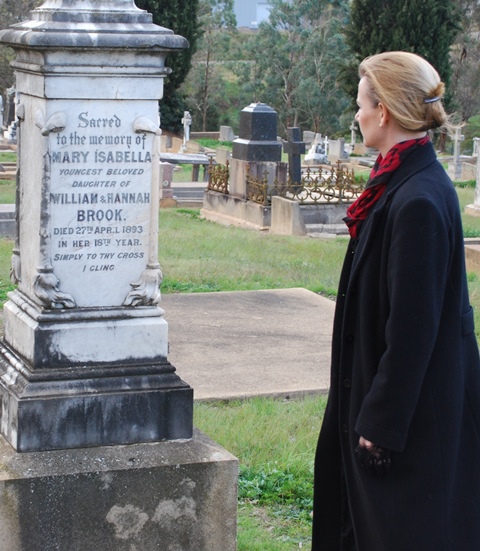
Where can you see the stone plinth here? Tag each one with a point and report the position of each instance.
(239, 170)
(168, 495)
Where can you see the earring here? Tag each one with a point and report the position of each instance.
(380, 125)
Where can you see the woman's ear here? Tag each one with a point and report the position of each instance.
(384, 115)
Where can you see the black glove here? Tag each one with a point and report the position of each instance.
(374, 460)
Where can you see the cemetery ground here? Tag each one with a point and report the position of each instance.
(273, 439)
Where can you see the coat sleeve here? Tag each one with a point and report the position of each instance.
(418, 264)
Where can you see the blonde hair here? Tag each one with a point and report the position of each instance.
(409, 87)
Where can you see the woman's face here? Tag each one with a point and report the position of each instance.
(368, 117)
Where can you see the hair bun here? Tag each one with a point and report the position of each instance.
(438, 91)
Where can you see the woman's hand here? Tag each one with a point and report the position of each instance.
(374, 460)
(364, 443)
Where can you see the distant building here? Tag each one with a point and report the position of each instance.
(250, 13)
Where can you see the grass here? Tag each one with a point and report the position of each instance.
(274, 441)
(213, 144)
(7, 191)
(471, 224)
(199, 256)
(6, 246)
(8, 157)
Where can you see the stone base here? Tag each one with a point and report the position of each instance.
(472, 254)
(168, 496)
(58, 338)
(229, 210)
(77, 407)
(8, 226)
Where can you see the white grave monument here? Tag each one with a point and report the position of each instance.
(316, 154)
(476, 147)
(83, 363)
(186, 121)
(455, 167)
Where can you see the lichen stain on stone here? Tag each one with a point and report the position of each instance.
(128, 521)
(169, 512)
(107, 479)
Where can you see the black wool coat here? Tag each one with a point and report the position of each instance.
(406, 376)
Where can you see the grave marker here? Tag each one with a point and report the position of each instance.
(85, 383)
(295, 149)
(186, 121)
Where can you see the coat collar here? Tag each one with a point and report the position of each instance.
(417, 161)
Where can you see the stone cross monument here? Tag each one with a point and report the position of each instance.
(295, 149)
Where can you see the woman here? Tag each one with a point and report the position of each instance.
(398, 460)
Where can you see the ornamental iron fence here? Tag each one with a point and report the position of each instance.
(218, 177)
(319, 185)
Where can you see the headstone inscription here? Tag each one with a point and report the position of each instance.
(102, 159)
(295, 149)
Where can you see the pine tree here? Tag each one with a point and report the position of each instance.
(425, 27)
(181, 17)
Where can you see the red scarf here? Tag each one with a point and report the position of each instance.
(380, 175)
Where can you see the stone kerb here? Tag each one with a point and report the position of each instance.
(287, 218)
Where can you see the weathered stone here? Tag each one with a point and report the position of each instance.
(166, 495)
(287, 217)
(226, 134)
(84, 359)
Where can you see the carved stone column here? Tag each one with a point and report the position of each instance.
(84, 358)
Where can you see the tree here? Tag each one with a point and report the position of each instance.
(296, 55)
(465, 57)
(425, 27)
(205, 85)
(11, 12)
(181, 17)
(178, 15)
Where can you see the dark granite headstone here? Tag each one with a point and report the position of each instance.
(258, 135)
